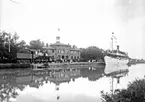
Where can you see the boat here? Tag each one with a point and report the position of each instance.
(115, 56)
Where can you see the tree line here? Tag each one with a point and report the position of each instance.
(10, 45)
(92, 53)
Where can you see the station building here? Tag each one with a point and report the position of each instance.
(64, 52)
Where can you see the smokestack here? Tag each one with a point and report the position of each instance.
(118, 47)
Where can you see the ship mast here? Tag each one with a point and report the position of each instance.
(112, 41)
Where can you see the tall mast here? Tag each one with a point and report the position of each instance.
(112, 40)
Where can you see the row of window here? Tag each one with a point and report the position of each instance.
(67, 57)
(74, 57)
(61, 51)
(73, 52)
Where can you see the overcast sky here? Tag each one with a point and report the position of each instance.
(82, 22)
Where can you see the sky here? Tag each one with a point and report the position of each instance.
(82, 22)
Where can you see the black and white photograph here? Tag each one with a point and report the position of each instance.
(72, 50)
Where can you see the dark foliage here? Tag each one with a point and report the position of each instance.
(134, 93)
(92, 53)
(36, 44)
(9, 45)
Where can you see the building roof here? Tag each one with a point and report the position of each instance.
(49, 47)
(24, 51)
(75, 49)
(60, 44)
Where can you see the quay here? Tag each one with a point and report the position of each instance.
(136, 61)
(70, 65)
(52, 65)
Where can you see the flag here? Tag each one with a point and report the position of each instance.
(114, 37)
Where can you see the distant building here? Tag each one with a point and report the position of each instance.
(64, 52)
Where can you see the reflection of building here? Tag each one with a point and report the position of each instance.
(64, 76)
(60, 51)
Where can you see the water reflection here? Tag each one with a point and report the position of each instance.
(14, 81)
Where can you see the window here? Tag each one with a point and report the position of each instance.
(74, 57)
(58, 51)
(66, 57)
(59, 56)
(62, 57)
(72, 51)
(66, 51)
(52, 51)
(77, 57)
(62, 51)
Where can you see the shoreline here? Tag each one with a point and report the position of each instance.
(58, 65)
(69, 65)
(14, 65)
(51, 65)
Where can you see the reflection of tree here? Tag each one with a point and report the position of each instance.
(8, 88)
(9, 83)
(92, 74)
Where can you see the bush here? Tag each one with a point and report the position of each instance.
(134, 93)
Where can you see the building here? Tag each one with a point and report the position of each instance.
(63, 52)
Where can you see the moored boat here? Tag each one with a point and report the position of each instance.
(115, 56)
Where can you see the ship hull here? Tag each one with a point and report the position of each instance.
(115, 64)
(115, 61)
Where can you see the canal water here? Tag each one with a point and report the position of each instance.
(63, 85)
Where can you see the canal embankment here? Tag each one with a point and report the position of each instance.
(69, 65)
(135, 61)
(52, 65)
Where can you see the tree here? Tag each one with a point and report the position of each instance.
(134, 93)
(91, 53)
(36, 44)
(9, 45)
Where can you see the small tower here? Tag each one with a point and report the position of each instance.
(57, 39)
